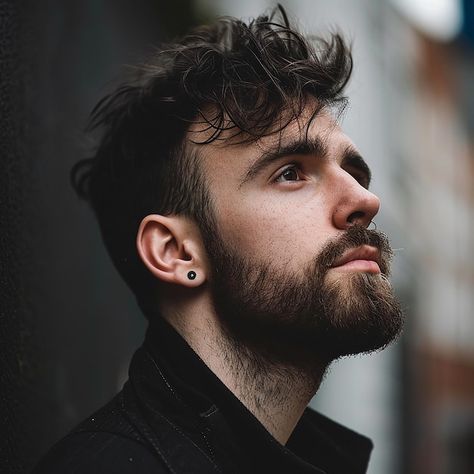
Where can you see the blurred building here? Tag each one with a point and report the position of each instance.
(432, 105)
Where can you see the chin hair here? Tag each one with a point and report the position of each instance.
(362, 315)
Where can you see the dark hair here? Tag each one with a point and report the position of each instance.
(231, 75)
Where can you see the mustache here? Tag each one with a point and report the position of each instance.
(356, 236)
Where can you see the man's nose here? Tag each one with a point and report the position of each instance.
(356, 205)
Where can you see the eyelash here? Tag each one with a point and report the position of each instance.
(294, 167)
(360, 178)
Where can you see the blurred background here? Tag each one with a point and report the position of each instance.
(68, 325)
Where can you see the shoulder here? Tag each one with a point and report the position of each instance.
(99, 452)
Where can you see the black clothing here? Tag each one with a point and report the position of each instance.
(175, 416)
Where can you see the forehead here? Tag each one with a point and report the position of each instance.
(230, 153)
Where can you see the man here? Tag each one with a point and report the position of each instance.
(237, 211)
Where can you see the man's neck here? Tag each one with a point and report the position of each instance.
(275, 394)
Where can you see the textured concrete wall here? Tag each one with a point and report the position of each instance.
(13, 191)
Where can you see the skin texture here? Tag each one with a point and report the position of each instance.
(282, 214)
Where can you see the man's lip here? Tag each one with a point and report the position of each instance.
(364, 252)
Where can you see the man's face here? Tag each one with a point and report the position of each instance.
(294, 269)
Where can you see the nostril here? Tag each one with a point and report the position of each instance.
(355, 217)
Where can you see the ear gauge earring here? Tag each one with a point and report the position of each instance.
(191, 275)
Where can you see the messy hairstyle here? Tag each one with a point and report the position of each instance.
(231, 76)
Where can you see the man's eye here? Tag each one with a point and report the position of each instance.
(289, 174)
(361, 179)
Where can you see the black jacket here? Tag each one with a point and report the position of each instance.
(175, 416)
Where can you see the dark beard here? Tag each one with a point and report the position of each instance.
(302, 320)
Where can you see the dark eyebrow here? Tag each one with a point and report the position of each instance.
(310, 146)
(351, 157)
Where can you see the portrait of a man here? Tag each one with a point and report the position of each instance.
(239, 213)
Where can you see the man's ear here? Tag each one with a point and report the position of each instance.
(171, 247)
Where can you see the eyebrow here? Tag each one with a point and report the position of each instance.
(310, 146)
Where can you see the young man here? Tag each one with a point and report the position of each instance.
(237, 211)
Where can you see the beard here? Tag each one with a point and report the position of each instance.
(302, 319)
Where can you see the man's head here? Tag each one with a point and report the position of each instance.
(225, 148)
(292, 263)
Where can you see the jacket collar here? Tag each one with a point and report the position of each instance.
(170, 378)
